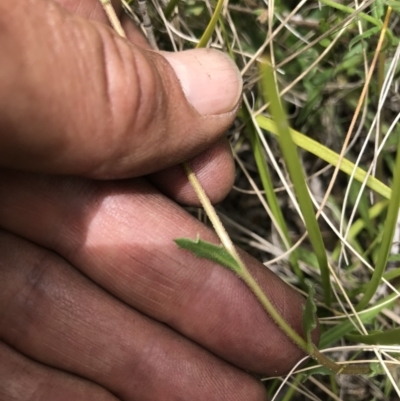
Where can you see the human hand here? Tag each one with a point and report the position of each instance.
(97, 302)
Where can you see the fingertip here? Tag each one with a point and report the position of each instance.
(209, 79)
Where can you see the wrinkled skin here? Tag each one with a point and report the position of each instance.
(96, 301)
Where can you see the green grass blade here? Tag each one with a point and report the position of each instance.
(388, 337)
(211, 25)
(391, 275)
(363, 207)
(226, 37)
(387, 237)
(270, 195)
(337, 332)
(359, 225)
(294, 167)
(366, 17)
(327, 155)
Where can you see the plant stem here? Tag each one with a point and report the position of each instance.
(313, 351)
(112, 17)
(246, 276)
(211, 213)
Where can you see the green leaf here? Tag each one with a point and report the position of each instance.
(211, 26)
(207, 250)
(270, 194)
(325, 42)
(363, 207)
(319, 370)
(363, 36)
(387, 237)
(394, 258)
(328, 155)
(292, 161)
(389, 337)
(337, 332)
(376, 369)
(309, 315)
(394, 4)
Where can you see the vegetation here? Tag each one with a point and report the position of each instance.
(322, 180)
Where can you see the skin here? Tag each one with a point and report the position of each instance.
(97, 301)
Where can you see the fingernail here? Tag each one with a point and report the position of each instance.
(210, 79)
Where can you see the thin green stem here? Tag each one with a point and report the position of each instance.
(294, 167)
(210, 211)
(270, 309)
(245, 275)
(387, 238)
(313, 351)
(381, 78)
(211, 25)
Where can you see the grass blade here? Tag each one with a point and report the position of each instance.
(211, 25)
(387, 237)
(327, 155)
(270, 195)
(337, 332)
(295, 170)
(389, 337)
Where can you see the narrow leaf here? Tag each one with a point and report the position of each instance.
(294, 167)
(270, 194)
(389, 337)
(376, 369)
(319, 370)
(211, 25)
(364, 36)
(337, 332)
(207, 250)
(394, 4)
(387, 237)
(328, 155)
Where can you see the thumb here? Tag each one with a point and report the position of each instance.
(77, 99)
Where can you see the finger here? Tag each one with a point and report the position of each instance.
(21, 378)
(214, 168)
(54, 314)
(90, 9)
(133, 33)
(77, 99)
(121, 235)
